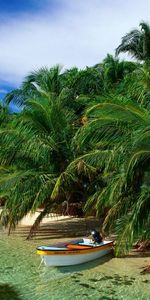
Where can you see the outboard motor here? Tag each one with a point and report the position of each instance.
(97, 238)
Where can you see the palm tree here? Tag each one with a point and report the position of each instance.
(136, 85)
(124, 129)
(116, 144)
(35, 150)
(137, 43)
(80, 135)
(48, 80)
(113, 71)
(69, 84)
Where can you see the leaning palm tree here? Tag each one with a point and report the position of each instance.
(125, 130)
(35, 150)
(111, 141)
(137, 43)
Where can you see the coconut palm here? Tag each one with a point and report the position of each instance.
(136, 85)
(116, 144)
(45, 79)
(113, 71)
(125, 130)
(35, 150)
(53, 82)
(137, 43)
(81, 135)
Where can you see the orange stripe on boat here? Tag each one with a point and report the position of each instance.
(73, 251)
(73, 246)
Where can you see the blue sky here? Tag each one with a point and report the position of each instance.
(36, 33)
(10, 7)
(14, 6)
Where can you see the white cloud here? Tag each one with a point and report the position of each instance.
(81, 33)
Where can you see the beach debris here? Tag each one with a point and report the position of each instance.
(146, 270)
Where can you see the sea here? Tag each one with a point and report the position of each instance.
(24, 277)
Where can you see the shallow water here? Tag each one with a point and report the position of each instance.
(23, 278)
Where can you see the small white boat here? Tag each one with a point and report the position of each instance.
(73, 252)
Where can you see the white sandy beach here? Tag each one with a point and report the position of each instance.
(31, 217)
(56, 226)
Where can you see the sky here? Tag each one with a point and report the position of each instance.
(37, 33)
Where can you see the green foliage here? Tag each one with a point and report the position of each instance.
(137, 43)
(35, 149)
(124, 130)
(82, 136)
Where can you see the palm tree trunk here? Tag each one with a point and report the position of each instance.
(38, 220)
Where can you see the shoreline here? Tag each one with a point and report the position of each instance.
(55, 226)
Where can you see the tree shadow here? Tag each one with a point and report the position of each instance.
(8, 292)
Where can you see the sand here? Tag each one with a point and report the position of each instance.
(29, 219)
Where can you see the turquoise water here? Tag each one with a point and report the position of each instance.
(23, 278)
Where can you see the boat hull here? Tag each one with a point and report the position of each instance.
(67, 257)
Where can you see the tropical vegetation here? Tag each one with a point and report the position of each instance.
(82, 136)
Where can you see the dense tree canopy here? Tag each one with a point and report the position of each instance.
(82, 136)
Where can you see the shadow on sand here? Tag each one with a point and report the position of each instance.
(67, 228)
(8, 292)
